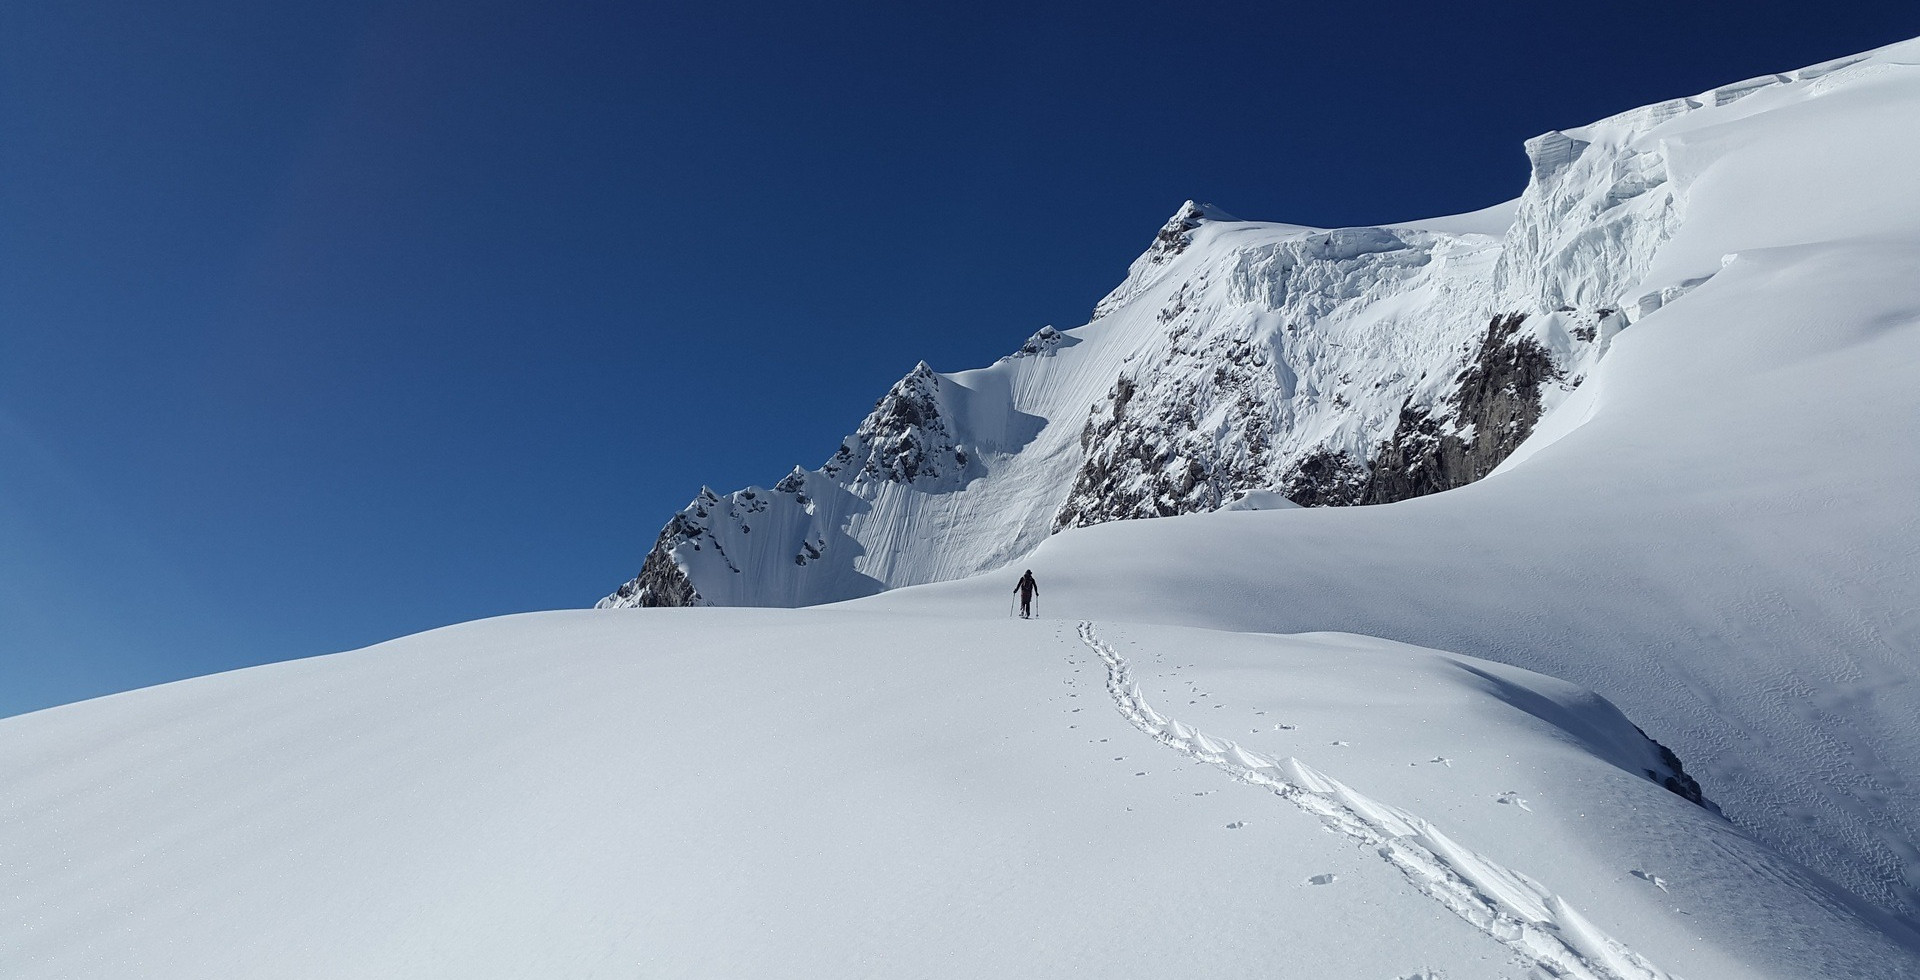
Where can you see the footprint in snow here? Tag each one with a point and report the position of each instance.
(1512, 798)
(1651, 879)
(1326, 879)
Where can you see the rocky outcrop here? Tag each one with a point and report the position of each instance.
(1325, 478)
(661, 582)
(1197, 431)
(1160, 460)
(1174, 236)
(1494, 406)
(1674, 777)
(906, 439)
(1043, 343)
(1169, 243)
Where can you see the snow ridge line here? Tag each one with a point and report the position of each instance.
(1515, 910)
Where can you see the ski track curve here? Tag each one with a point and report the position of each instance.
(1508, 906)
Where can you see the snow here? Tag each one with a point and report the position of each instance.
(724, 793)
(1260, 500)
(1491, 222)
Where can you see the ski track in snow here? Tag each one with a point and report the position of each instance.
(1512, 908)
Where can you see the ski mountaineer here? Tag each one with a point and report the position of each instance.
(1027, 588)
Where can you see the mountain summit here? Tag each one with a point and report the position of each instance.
(1333, 366)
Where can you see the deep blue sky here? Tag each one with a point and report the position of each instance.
(322, 323)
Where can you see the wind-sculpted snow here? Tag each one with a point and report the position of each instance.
(1588, 227)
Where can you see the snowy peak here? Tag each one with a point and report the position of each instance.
(1174, 236)
(1171, 241)
(906, 439)
(1336, 367)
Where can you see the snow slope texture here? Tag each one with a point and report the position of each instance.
(813, 794)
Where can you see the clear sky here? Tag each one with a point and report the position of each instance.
(323, 323)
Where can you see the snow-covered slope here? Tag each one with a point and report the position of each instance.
(1719, 531)
(747, 793)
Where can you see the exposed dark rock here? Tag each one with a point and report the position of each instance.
(1160, 464)
(1325, 478)
(661, 583)
(905, 438)
(1174, 236)
(809, 551)
(1494, 407)
(1043, 343)
(795, 484)
(1675, 779)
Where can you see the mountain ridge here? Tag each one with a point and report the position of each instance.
(1341, 366)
